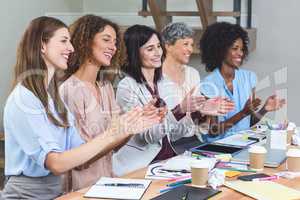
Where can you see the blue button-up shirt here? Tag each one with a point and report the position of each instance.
(30, 136)
(243, 83)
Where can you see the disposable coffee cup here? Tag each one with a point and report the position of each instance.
(199, 170)
(257, 156)
(293, 160)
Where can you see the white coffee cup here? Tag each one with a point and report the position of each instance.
(290, 133)
(293, 160)
(257, 156)
(199, 170)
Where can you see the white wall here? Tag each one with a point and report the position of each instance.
(277, 51)
(277, 38)
(14, 17)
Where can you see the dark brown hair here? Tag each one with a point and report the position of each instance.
(31, 69)
(83, 31)
(134, 38)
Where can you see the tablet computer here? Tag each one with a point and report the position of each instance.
(216, 148)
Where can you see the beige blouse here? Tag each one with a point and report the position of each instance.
(93, 115)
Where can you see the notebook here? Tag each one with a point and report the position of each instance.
(264, 190)
(188, 193)
(118, 188)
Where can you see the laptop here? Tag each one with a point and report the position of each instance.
(273, 158)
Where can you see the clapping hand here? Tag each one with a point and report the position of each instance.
(273, 103)
(191, 103)
(251, 106)
(216, 106)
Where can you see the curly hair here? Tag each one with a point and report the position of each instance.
(216, 41)
(83, 31)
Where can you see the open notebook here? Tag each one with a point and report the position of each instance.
(118, 188)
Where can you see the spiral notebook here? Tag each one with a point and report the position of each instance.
(118, 188)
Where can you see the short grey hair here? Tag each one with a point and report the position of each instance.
(174, 31)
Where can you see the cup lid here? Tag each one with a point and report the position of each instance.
(199, 164)
(293, 153)
(257, 149)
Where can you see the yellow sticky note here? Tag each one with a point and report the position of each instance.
(230, 174)
(224, 157)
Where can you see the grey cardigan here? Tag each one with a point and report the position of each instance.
(142, 148)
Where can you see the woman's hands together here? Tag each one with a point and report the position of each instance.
(138, 120)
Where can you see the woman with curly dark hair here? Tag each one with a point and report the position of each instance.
(90, 95)
(224, 47)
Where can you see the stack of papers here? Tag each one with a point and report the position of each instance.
(118, 188)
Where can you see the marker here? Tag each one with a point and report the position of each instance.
(269, 178)
(180, 178)
(186, 181)
(169, 188)
(236, 169)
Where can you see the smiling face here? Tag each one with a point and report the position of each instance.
(104, 46)
(57, 50)
(181, 50)
(235, 54)
(151, 53)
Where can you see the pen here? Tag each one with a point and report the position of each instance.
(269, 178)
(135, 185)
(206, 97)
(232, 162)
(171, 170)
(185, 196)
(169, 188)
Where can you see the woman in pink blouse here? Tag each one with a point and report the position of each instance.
(88, 92)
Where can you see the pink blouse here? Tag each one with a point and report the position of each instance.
(92, 118)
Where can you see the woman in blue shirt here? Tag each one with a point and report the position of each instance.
(224, 47)
(40, 139)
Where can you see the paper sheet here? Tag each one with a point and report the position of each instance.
(264, 190)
